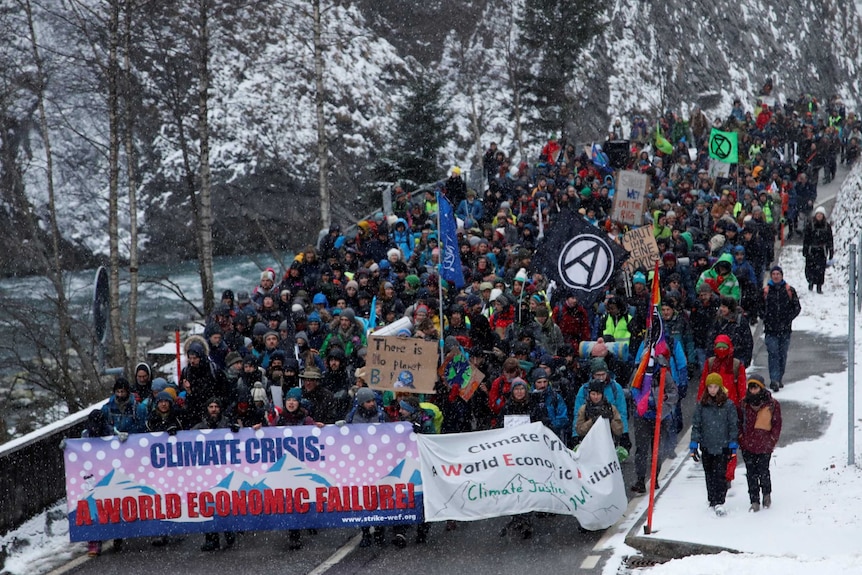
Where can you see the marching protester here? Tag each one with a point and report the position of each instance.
(780, 307)
(759, 432)
(714, 429)
(215, 420)
(817, 248)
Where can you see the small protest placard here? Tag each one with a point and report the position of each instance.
(402, 364)
(643, 251)
(476, 379)
(630, 198)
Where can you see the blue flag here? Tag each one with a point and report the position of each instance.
(450, 258)
(372, 316)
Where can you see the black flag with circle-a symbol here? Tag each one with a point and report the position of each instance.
(578, 258)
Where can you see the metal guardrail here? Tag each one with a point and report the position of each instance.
(32, 474)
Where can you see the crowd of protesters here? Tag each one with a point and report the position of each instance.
(305, 329)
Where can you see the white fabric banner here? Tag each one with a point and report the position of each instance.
(471, 476)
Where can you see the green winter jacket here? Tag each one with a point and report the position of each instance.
(722, 285)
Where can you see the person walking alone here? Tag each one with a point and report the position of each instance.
(780, 307)
(818, 249)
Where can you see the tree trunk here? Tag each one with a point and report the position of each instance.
(133, 196)
(72, 396)
(319, 100)
(117, 355)
(515, 85)
(476, 130)
(204, 229)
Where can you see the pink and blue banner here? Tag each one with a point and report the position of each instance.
(216, 480)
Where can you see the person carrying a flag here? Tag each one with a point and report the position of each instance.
(646, 398)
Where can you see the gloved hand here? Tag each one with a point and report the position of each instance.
(692, 447)
(340, 423)
(682, 390)
(63, 444)
(608, 412)
(733, 446)
(625, 441)
(122, 436)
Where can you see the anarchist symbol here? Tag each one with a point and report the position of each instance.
(586, 262)
(720, 146)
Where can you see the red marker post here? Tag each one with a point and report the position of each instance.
(655, 447)
(179, 359)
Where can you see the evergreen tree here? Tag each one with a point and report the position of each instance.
(553, 33)
(423, 127)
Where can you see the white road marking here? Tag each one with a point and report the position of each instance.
(590, 561)
(336, 557)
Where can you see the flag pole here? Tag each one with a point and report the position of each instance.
(440, 275)
(656, 440)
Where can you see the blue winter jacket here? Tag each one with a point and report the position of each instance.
(132, 418)
(470, 213)
(555, 408)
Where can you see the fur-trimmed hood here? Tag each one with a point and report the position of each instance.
(197, 340)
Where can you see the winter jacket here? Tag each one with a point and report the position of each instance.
(470, 212)
(525, 407)
(736, 328)
(613, 394)
(404, 239)
(731, 370)
(298, 417)
(552, 406)
(550, 336)
(573, 322)
(591, 412)
(678, 362)
(761, 423)
(714, 424)
(130, 417)
(168, 422)
(722, 285)
(780, 307)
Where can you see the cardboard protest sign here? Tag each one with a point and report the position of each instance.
(630, 197)
(402, 364)
(211, 480)
(476, 379)
(642, 248)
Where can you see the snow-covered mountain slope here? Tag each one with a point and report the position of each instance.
(650, 57)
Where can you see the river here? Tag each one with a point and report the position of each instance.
(160, 310)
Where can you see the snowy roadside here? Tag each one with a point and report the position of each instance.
(814, 522)
(41, 544)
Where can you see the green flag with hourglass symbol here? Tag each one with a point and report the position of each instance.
(724, 146)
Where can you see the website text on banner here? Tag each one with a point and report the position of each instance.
(216, 480)
(470, 476)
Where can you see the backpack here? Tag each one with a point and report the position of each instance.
(737, 365)
(786, 286)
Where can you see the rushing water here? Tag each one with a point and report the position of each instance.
(160, 310)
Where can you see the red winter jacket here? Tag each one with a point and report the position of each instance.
(760, 426)
(731, 370)
(574, 323)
